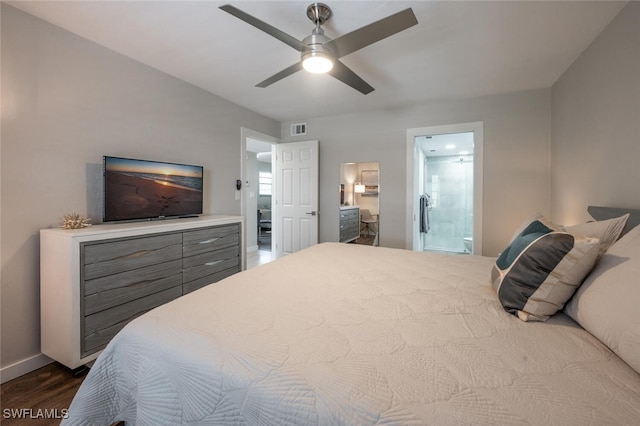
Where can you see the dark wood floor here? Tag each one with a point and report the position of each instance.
(45, 392)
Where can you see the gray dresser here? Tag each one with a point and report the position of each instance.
(349, 223)
(95, 280)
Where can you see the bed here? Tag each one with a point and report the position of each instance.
(361, 335)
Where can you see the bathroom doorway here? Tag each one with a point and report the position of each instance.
(448, 192)
(446, 195)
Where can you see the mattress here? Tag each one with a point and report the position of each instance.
(348, 334)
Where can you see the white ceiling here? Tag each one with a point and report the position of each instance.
(260, 147)
(446, 144)
(457, 50)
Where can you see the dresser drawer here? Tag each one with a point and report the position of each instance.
(209, 279)
(195, 267)
(349, 234)
(349, 223)
(113, 290)
(115, 256)
(349, 214)
(99, 328)
(209, 239)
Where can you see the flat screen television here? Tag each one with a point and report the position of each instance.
(143, 189)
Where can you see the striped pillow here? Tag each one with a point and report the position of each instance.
(541, 269)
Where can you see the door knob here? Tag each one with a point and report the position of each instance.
(312, 213)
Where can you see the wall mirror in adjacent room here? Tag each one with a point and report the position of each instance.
(359, 208)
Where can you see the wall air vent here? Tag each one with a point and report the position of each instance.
(298, 129)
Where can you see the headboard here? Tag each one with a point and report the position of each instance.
(604, 213)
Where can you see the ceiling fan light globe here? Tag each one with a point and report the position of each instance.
(317, 63)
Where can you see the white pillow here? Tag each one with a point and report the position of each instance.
(607, 231)
(606, 305)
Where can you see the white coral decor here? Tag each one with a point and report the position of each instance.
(74, 221)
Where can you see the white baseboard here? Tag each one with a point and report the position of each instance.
(23, 367)
(252, 248)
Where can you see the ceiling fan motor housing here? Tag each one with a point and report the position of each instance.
(319, 13)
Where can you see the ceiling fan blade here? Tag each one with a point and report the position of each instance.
(282, 74)
(372, 33)
(348, 77)
(261, 25)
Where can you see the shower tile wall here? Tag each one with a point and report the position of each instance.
(449, 182)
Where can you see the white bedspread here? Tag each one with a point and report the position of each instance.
(347, 334)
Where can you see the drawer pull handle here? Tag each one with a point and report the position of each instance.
(215, 262)
(208, 241)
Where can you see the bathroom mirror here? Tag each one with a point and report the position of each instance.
(359, 192)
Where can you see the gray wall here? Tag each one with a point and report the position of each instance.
(596, 124)
(65, 103)
(516, 159)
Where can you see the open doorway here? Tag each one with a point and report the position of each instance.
(446, 178)
(444, 195)
(257, 195)
(359, 207)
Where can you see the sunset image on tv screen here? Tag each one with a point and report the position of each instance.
(138, 189)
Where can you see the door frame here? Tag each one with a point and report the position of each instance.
(246, 133)
(412, 195)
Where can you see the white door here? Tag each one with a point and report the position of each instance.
(296, 196)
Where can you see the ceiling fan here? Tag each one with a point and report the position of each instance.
(321, 54)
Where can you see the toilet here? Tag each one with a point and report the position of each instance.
(468, 244)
